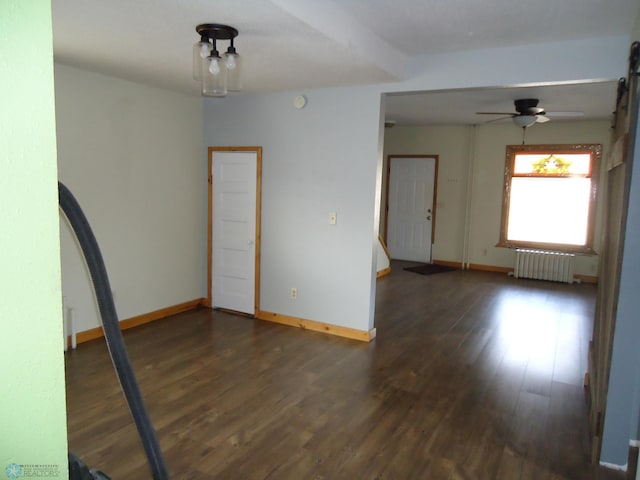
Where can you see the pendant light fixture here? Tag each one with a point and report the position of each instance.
(217, 74)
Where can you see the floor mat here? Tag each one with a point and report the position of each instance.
(429, 269)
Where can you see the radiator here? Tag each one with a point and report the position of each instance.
(544, 265)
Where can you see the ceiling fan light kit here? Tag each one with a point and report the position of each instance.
(217, 74)
(528, 113)
(524, 120)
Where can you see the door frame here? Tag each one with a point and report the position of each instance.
(435, 194)
(616, 210)
(210, 152)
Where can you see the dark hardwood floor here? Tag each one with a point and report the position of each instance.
(472, 376)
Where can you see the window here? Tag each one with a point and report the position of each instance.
(549, 197)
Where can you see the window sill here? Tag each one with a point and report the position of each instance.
(551, 247)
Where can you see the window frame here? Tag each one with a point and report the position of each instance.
(595, 152)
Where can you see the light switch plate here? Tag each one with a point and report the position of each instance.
(333, 218)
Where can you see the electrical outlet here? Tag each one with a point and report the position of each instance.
(294, 293)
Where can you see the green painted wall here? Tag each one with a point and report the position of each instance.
(32, 404)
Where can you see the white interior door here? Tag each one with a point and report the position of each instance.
(410, 207)
(233, 225)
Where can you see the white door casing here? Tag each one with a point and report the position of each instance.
(233, 209)
(410, 207)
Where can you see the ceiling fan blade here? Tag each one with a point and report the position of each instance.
(501, 118)
(497, 113)
(565, 114)
(542, 119)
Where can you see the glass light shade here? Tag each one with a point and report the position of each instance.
(201, 50)
(524, 120)
(233, 62)
(214, 76)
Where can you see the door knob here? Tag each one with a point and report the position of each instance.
(429, 217)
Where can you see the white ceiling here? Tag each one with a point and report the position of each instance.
(302, 44)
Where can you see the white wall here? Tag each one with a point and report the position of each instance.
(131, 154)
(320, 159)
(587, 59)
(452, 144)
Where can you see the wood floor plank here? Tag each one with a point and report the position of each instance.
(472, 376)
(568, 366)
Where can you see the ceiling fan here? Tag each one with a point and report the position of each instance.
(528, 112)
